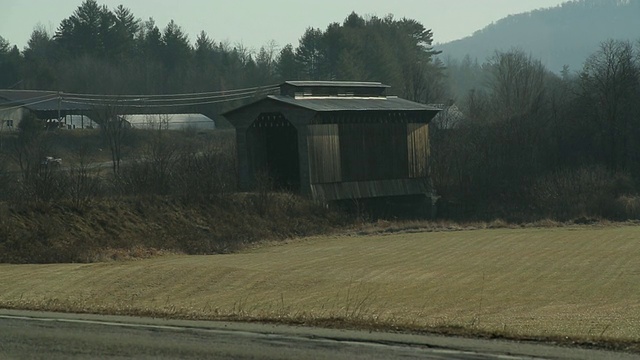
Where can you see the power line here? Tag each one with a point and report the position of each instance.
(176, 94)
(149, 101)
(27, 104)
(11, 102)
(174, 100)
(163, 105)
(163, 122)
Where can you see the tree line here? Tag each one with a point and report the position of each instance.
(104, 51)
(538, 143)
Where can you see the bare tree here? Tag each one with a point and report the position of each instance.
(476, 105)
(424, 82)
(84, 183)
(40, 177)
(29, 148)
(517, 83)
(113, 126)
(160, 158)
(491, 156)
(610, 82)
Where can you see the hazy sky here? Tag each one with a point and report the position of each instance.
(256, 22)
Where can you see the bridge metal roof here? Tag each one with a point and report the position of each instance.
(350, 84)
(334, 103)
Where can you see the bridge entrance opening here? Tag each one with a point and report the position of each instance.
(273, 150)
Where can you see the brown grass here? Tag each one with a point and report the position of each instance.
(129, 226)
(576, 282)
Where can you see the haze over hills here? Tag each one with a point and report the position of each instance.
(558, 36)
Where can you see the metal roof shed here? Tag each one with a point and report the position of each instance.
(335, 140)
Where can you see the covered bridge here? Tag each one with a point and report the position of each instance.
(335, 140)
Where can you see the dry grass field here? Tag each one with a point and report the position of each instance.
(581, 282)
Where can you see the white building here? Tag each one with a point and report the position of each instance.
(170, 121)
(79, 122)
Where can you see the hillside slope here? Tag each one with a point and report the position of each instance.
(563, 35)
(138, 227)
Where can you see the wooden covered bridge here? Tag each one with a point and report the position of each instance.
(334, 140)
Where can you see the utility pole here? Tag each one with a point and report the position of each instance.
(59, 105)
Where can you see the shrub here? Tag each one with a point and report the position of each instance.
(191, 173)
(624, 207)
(583, 192)
(205, 174)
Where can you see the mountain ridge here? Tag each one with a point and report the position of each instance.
(562, 35)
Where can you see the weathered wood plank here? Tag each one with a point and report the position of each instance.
(324, 153)
(369, 189)
(418, 149)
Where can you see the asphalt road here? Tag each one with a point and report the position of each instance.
(37, 335)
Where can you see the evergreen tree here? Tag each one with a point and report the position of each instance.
(287, 65)
(38, 56)
(10, 64)
(125, 30)
(88, 31)
(204, 50)
(310, 55)
(176, 45)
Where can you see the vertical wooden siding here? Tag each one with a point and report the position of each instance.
(418, 148)
(373, 151)
(324, 153)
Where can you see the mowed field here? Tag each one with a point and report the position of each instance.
(581, 282)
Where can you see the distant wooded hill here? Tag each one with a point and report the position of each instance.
(563, 35)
